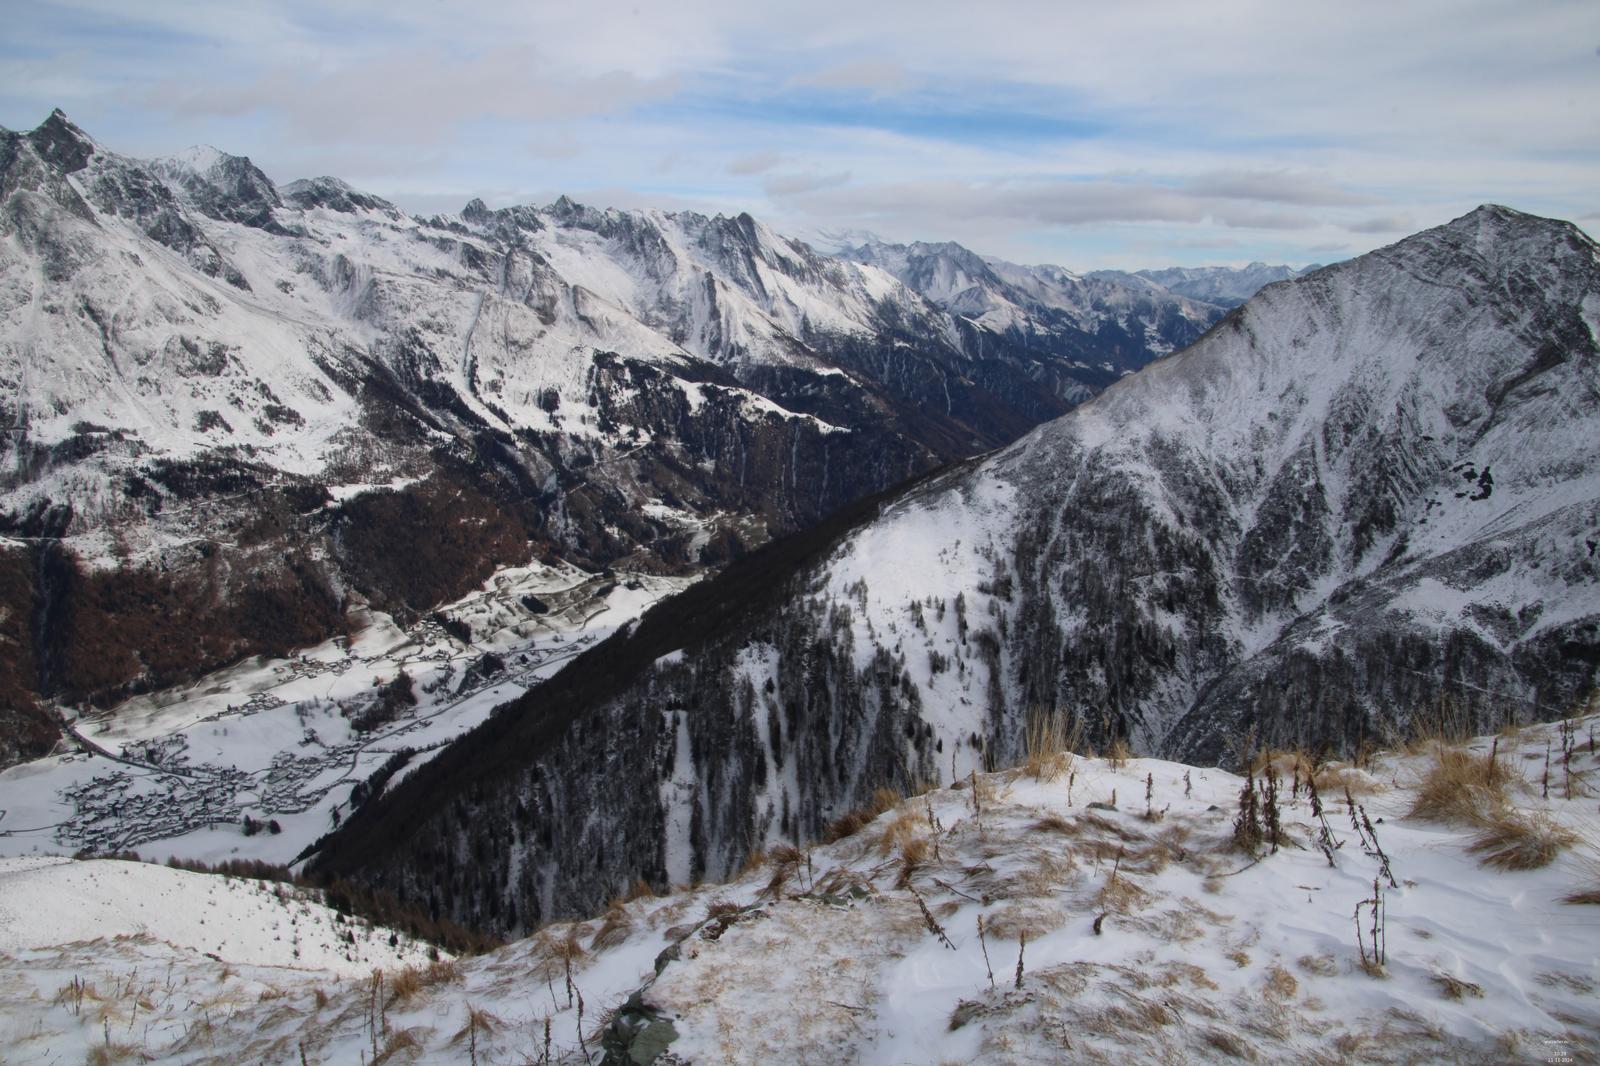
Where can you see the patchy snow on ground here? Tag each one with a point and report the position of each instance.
(1120, 922)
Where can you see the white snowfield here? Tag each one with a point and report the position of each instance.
(50, 902)
(1113, 934)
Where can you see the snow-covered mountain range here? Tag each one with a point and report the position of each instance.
(1111, 325)
(1220, 286)
(1368, 495)
(233, 409)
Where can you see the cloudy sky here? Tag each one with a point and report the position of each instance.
(1120, 133)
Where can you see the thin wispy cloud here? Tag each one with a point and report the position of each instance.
(1091, 136)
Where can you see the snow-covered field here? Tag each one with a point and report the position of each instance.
(1127, 933)
(177, 772)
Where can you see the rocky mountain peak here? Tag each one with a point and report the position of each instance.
(336, 195)
(62, 144)
(226, 187)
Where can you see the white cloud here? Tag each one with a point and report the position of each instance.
(759, 163)
(1268, 123)
(878, 76)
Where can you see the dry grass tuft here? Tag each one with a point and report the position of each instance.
(786, 861)
(1336, 778)
(1229, 1044)
(1054, 823)
(614, 927)
(1012, 920)
(852, 822)
(1119, 754)
(1049, 744)
(1461, 787)
(112, 1053)
(1516, 841)
(1321, 965)
(1280, 983)
(399, 1041)
(640, 889)
(478, 1021)
(903, 828)
(413, 979)
(913, 857)
(1455, 988)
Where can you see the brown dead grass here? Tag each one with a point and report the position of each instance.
(1279, 984)
(401, 1040)
(614, 926)
(1460, 787)
(410, 980)
(852, 822)
(1320, 965)
(899, 831)
(914, 854)
(1050, 742)
(1455, 988)
(1519, 841)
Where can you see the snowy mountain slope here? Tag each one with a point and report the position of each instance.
(1223, 286)
(1366, 493)
(1086, 329)
(1148, 934)
(50, 902)
(197, 370)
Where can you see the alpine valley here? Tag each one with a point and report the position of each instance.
(1367, 496)
(503, 560)
(235, 412)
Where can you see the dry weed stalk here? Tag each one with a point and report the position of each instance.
(983, 943)
(1324, 836)
(1373, 962)
(929, 920)
(1247, 832)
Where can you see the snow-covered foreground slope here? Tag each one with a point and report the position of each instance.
(294, 744)
(1119, 921)
(49, 903)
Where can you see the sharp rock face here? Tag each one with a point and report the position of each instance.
(1365, 495)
